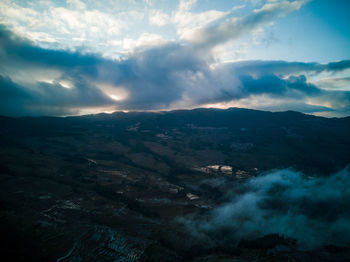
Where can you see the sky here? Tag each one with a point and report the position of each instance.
(78, 57)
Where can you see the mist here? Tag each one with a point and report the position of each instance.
(315, 211)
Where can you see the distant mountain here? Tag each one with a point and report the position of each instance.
(245, 137)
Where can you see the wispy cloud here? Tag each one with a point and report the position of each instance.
(232, 27)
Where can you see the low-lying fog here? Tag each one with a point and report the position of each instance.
(313, 210)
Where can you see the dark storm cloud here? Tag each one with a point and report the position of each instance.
(283, 67)
(13, 97)
(19, 50)
(42, 98)
(272, 84)
(338, 66)
(47, 99)
(162, 77)
(313, 210)
(159, 76)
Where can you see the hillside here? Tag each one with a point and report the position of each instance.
(98, 186)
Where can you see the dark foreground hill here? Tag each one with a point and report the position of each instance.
(108, 186)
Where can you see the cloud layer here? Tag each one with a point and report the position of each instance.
(314, 211)
(167, 75)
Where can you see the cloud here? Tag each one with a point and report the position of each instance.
(19, 50)
(48, 82)
(266, 102)
(76, 4)
(64, 24)
(284, 67)
(238, 7)
(334, 83)
(232, 27)
(186, 5)
(158, 18)
(144, 40)
(156, 74)
(272, 84)
(338, 66)
(187, 22)
(312, 210)
(48, 99)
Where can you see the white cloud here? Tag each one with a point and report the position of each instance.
(65, 27)
(187, 22)
(238, 7)
(144, 40)
(13, 14)
(334, 83)
(282, 7)
(41, 37)
(186, 5)
(92, 25)
(86, 21)
(158, 18)
(76, 4)
(148, 2)
(233, 27)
